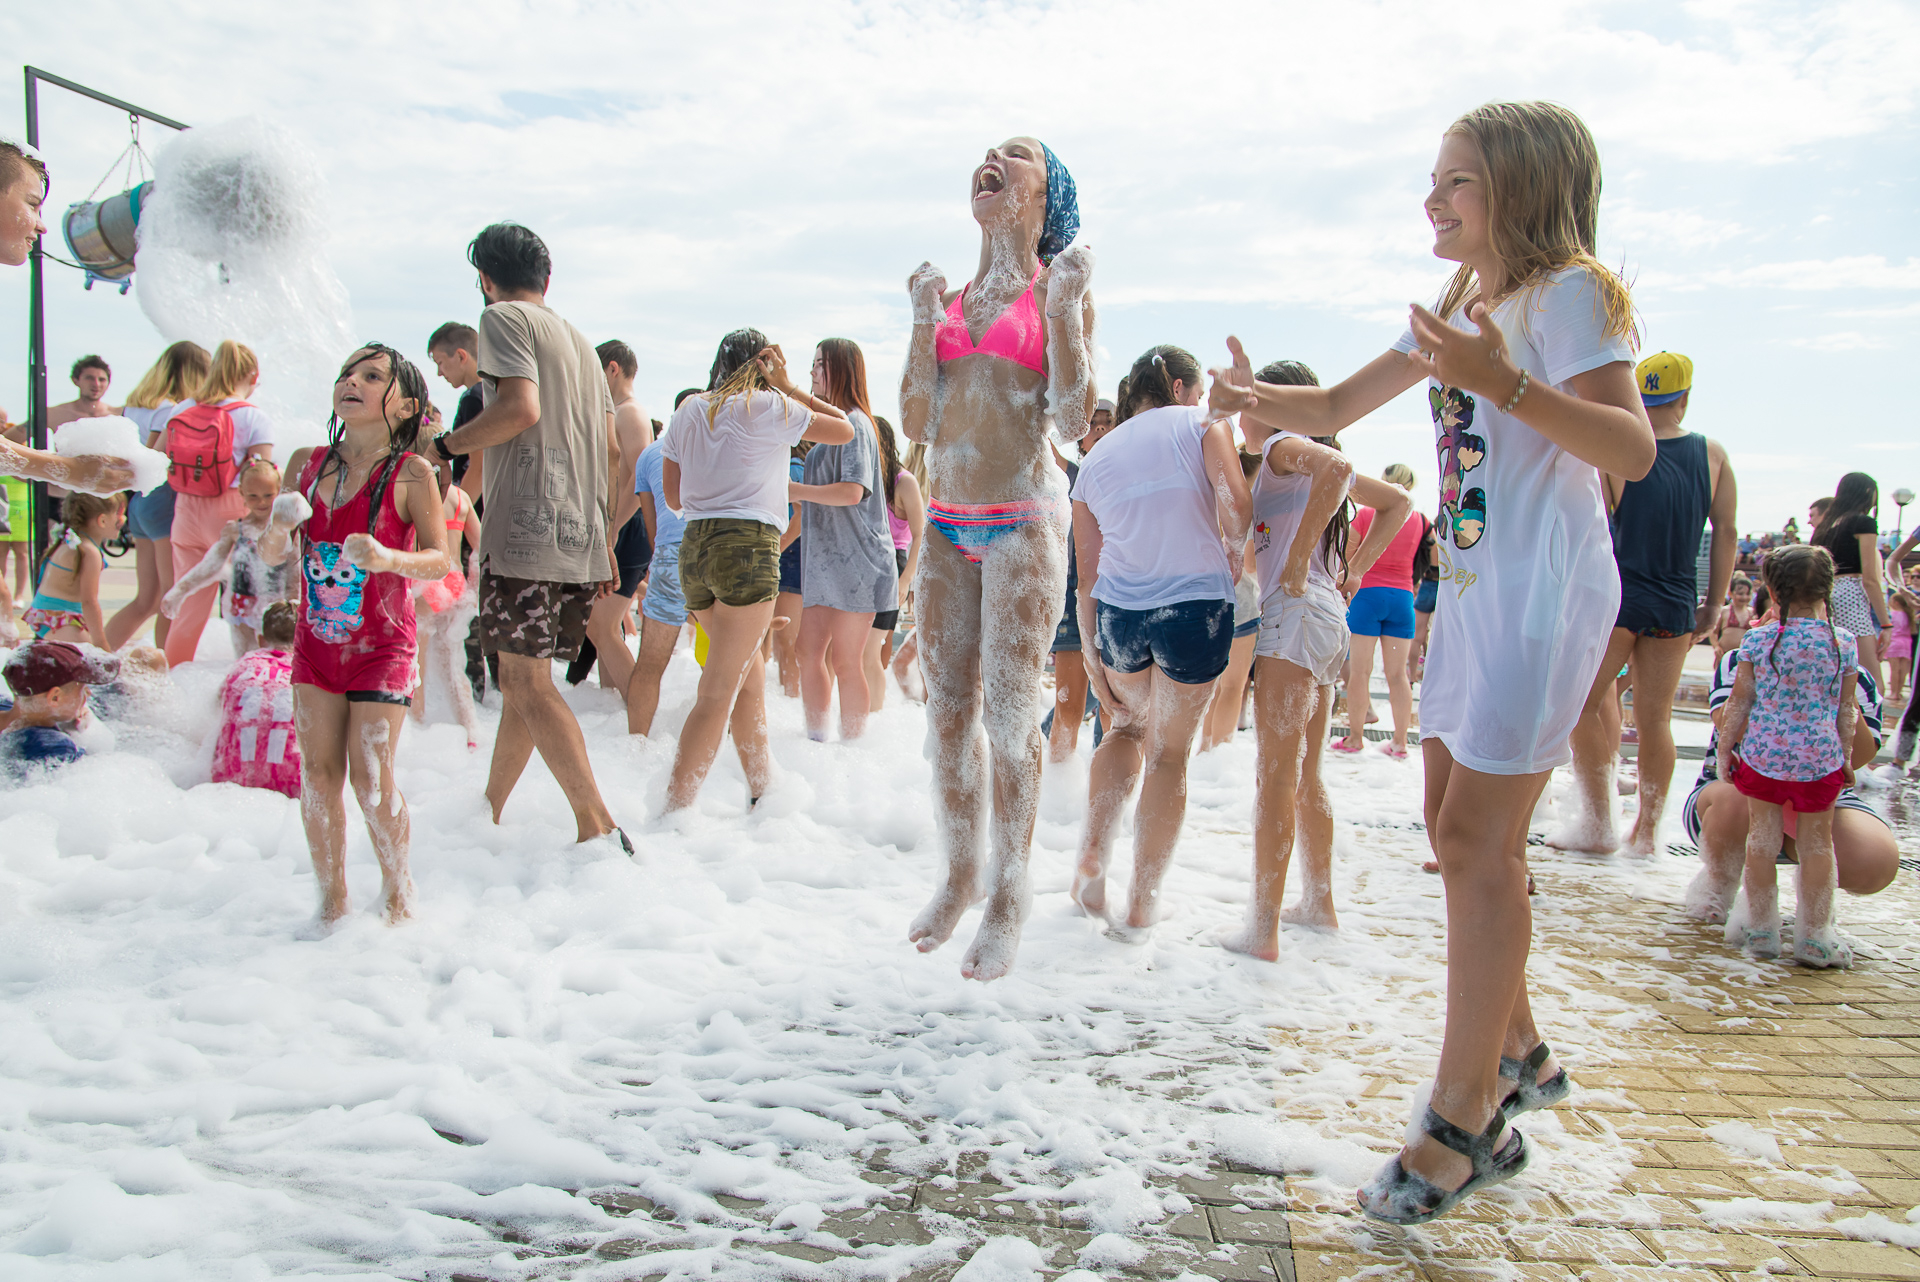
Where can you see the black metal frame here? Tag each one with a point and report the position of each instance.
(36, 307)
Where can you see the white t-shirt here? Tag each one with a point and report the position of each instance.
(148, 421)
(1278, 504)
(738, 467)
(251, 427)
(1159, 533)
(1528, 586)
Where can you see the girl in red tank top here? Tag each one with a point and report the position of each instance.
(373, 524)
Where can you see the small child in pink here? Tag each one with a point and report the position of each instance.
(1784, 745)
(257, 747)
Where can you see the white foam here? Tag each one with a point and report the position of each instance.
(114, 437)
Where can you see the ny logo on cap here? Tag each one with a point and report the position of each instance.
(1653, 381)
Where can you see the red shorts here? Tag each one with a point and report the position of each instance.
(1806, 796)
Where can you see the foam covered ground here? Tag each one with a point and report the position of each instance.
(190, 1089)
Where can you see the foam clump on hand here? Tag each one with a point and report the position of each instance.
(114, 437)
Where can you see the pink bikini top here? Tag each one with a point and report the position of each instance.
(1017, 334)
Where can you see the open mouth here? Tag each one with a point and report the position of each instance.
(1442, 225)
(991, 181)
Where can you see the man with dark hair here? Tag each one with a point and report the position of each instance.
(606, 640)
(545, 546)
(91, 377)
(453, 348)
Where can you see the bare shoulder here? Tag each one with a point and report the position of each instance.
(415, 469)
(296, 464)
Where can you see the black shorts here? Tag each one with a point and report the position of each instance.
(379, 696)
(632, 553)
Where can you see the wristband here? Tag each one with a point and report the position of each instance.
(440, 447)
(1518, 392)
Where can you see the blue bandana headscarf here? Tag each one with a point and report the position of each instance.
(1063, 209)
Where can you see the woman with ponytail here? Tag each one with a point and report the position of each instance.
(181, 369)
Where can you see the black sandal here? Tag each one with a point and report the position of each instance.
(1400, 1196)
(1529, 1092)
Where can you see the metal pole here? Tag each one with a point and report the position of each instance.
(36, 352)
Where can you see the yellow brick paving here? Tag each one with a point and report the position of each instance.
(1827, 1063)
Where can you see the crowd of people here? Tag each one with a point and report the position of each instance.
(1206, 535)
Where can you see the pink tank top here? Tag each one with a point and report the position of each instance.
(356, 630)
(1018, 334)
(257, 747)
(902, 532)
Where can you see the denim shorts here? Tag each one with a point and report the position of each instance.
(150, 516)
(1381, 612)
(1190, 641)
(790, 568)
(1426, 596)
(1307, 631)
(663, 601)
(1066, 637)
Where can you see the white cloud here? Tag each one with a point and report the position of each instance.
(1845, 341)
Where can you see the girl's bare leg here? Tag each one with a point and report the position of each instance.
(1285, 701)
(1359, 692)
(1110, 780)
(906, 668)
(873, 663)
(146, 598)
(1815, 940)
(1417, 656)
(786, 644)
(846, 633)
(1313, 831)
(734, 634)
(1069, 705)
(443, 660)
(748, 725)
(373, 732)
(1479, 827)
(610, 641)
(1764, 828)
(947, 594)
(1229, 695)
(657, 640)
(320, 725)
(1177, 710)
(1393, 656)
(1723, 851)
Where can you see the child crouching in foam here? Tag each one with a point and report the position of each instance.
(49, 680)
(1791, 711)
(376, 526)
(257, 746)
(253, 582)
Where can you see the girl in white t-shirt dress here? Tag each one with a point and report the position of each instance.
(1531, 388)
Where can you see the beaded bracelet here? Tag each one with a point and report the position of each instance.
(1518, 392)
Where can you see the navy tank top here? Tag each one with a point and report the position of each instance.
(1656, 537)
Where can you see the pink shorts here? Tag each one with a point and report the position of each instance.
(1806, 796)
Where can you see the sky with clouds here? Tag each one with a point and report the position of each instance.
(1243, 168)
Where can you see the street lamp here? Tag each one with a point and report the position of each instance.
(1901, 497)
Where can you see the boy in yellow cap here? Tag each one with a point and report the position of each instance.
(1657, 523)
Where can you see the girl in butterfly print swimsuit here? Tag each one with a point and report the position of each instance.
(373, 522)
(985, 367)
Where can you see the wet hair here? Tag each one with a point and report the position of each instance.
(455, 336)
(90, 362)
(684, 393)
(1398, 474)
(615, 352)
(1149, 384)
(1333, 543)
(511, 256)
(846, 371)
(735, 370)
(1857, 495)
(1801, 574)
(15, 164)
(889, 457)
(180, 369)
(402, 437)
(277, 623)
(233, 364)
(1543, 204)
(77, 511)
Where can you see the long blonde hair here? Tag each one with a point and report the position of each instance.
(180, 369)
(233, 364)
(1543, 204)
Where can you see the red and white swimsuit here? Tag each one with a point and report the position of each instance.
(356, 630)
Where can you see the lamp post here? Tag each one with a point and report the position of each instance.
(1901, 497)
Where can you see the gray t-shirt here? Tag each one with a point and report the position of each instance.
(846, 555)
(546, 489)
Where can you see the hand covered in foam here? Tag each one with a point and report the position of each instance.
(1068, 278)
(926, 287)
(289, 510)
(368, 553)
(170, 603)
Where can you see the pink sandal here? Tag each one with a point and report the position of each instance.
(1395, 751)
(1346, 745)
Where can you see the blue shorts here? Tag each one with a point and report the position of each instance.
(1381, 612)
(150, 516)
(1250, 628)
(790, 569)
(1066, 637)
(1190, 641)
(1426, 596)
(663, 600)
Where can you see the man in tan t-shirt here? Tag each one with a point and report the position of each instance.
(547, 479)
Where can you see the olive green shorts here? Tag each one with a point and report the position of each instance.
(730, 560)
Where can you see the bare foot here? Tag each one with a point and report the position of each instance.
(1090, 893)
(399, 908)
(934, 926)
(1431, 865)
(1122, 933)
(1589, 835)
(1318, 915)
(1709, 897)
(1263, 945)
(996, 942)
(332, 912)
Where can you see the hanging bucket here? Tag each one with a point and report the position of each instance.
(100, 235)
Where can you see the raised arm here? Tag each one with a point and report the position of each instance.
(1725, 545)
(1310, 411)
(290, 508)
(922, 373)
(416, 499)
(1603, 423)
(90, 473)
(210, 568)
(828, 424)
(1232, 499)
(1070, 390)
(1329, 473)
(1391, 507)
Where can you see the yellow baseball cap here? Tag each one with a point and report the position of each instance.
(1664, 377)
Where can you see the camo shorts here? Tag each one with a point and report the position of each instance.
(532, 617)
(731, 560)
